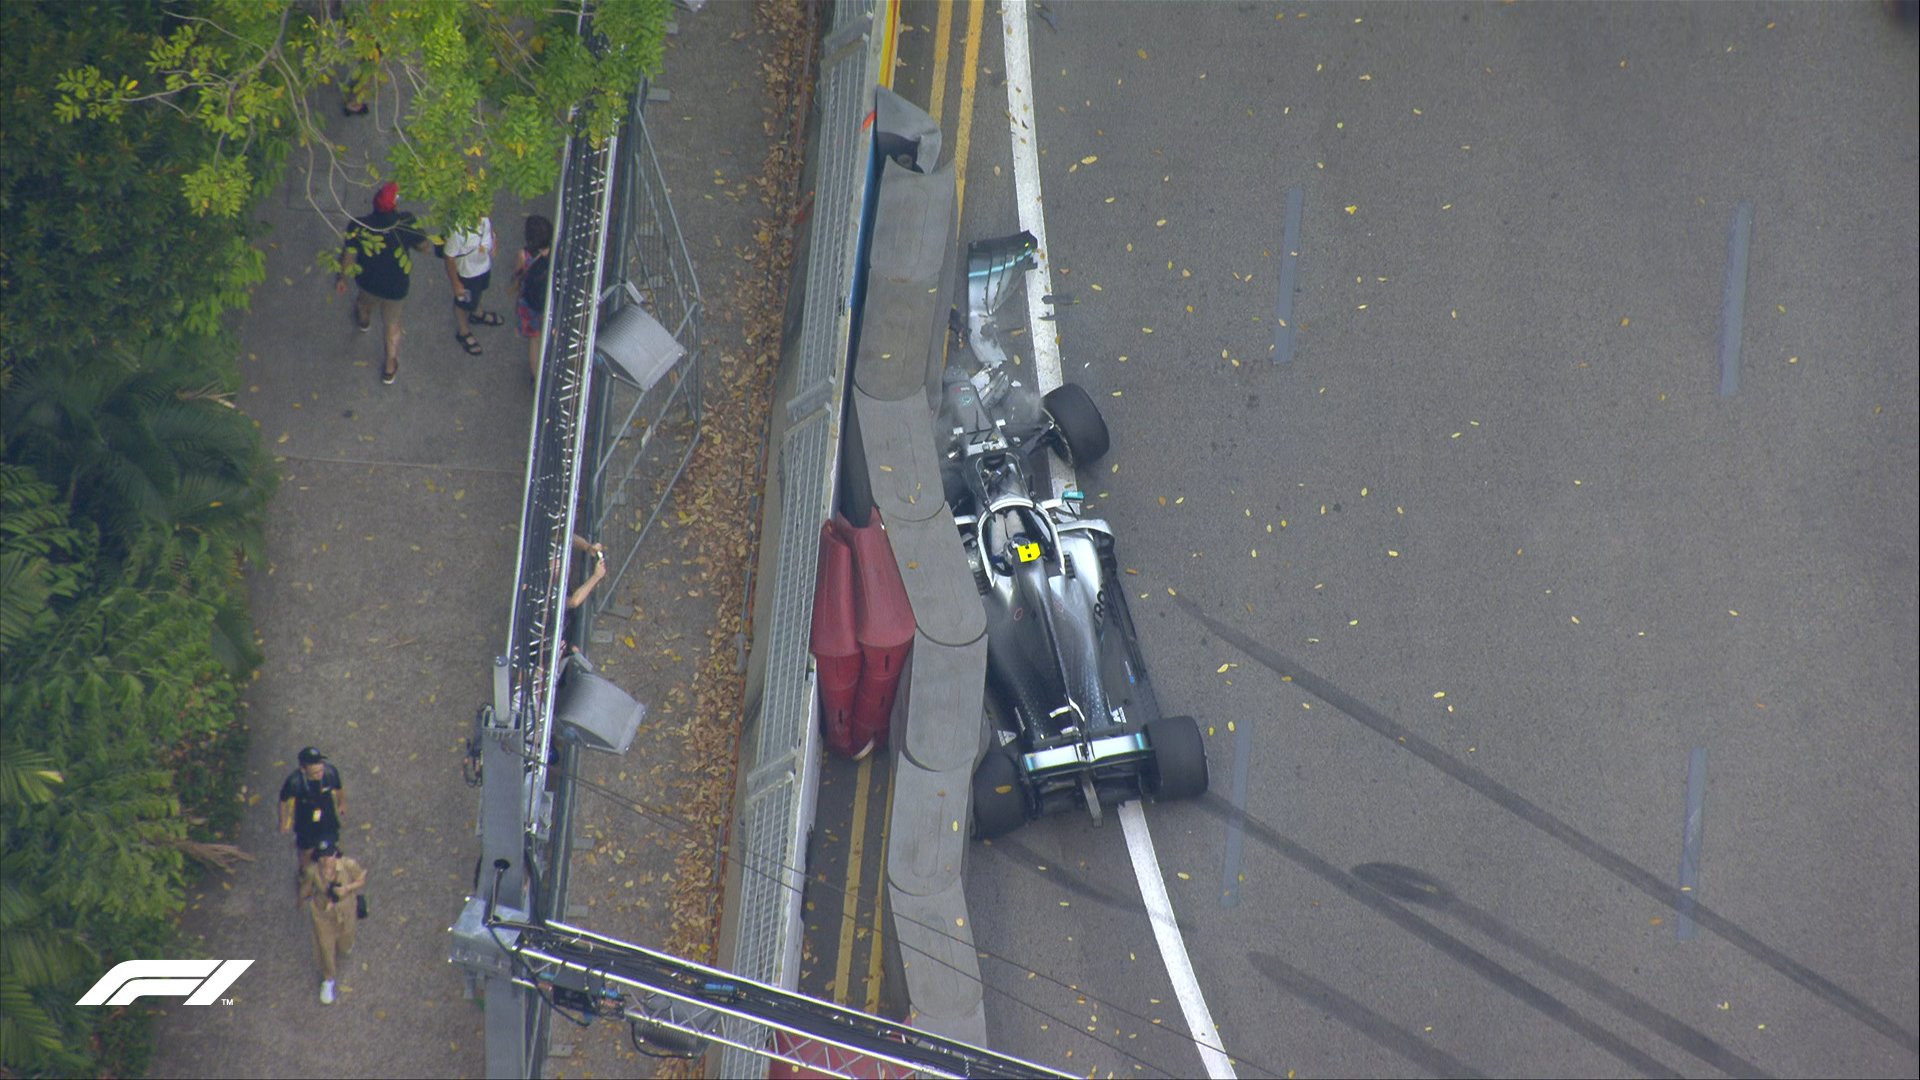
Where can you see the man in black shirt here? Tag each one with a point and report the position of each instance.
(312, 802)
(381, 245)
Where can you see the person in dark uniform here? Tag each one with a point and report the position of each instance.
(312, 804)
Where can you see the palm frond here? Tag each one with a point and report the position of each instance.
(26, 776)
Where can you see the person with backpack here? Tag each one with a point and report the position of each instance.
(532, 276)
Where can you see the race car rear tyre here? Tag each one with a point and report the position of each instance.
(999, 802)
(1077, 423)
(1179, 768)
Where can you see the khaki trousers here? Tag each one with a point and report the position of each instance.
(332, 933)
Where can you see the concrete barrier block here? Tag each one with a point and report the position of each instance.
(946, 688)
(902, 465)
(946, 602)
(928, 830)
(911, 223)
(893, 358)
(934, 939)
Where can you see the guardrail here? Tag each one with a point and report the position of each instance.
(781, 748)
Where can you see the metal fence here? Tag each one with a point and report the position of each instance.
(783, 759)
(647, 407)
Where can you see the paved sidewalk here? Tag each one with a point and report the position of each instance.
(390, 555)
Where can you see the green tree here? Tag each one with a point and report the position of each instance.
(114, 671)
(94, 248)
(142, 438)
(483, 93)
(142, 443)
(36, 957)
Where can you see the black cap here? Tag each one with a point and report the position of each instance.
(325, 848)
(312, 756)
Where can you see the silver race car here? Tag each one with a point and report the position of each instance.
(1074, 711)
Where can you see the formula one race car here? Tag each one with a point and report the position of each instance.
(1073, 709)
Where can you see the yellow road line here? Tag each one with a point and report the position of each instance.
(850, 899)
(969, 82)
(879, 907)
(942, 36)
(891, 44)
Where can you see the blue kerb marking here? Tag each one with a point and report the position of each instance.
(1733, 298)
(1230, 869)
(1289, 259)
(1690, 843)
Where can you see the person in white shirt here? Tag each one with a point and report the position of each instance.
(469, 259)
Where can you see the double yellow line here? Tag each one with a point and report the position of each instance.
(863, 780)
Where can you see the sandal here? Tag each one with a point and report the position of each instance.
(487, 318)
(469, 343)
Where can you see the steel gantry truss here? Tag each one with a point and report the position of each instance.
(677, 1007)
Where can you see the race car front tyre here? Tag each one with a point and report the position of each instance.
(1179, 768)
(999, 802)
(1078, 424)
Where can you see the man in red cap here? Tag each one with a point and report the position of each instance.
(378, 256)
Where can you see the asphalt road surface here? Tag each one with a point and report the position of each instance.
(1501, 578)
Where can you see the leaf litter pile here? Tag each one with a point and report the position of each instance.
(727, 465)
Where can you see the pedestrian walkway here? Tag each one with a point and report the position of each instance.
(390, 555)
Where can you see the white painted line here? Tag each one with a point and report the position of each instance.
(1046, 363)
(1026, 192)
(1173, 950)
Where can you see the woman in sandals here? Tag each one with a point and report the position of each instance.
(531, 276)
(469, 259)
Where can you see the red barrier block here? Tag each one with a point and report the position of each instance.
(884, 625)
(835, 644)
